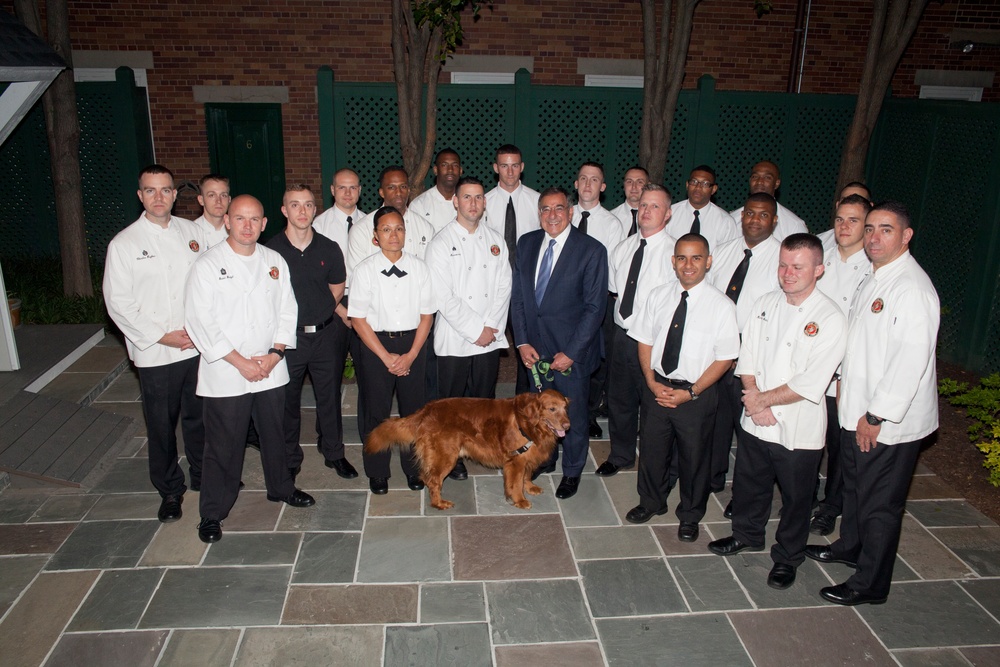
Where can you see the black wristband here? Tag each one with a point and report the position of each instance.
(274, 350)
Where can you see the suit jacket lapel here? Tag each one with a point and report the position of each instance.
(563, 265)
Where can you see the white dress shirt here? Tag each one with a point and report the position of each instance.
(560, 243)
(840, 280)
(525, 209)
(788, 222)
(716, 225)
(471, 277)
(213, 236)
(762, 276)
(146, 268)
(710, 332)
(239, 303)
(828, 239)
(601, 225)
(799, 346)
(889, 369)
(434, 208)
(656, 270)
(361, 244)
(332, 223)
(624, 214)
(388, 302)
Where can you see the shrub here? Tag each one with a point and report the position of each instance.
(982, 404)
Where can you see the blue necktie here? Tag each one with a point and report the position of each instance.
(544, 273)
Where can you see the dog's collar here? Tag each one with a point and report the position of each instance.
(528, 445)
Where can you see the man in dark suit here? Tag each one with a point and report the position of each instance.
(558, 298)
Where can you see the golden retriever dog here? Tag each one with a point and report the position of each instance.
(515, 434)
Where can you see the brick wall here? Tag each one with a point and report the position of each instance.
(283, 42)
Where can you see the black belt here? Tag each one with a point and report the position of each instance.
(313, 328)
(679, 384)
(395, 334)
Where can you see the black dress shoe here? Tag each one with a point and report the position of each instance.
(781, 576)
(297, 499)
(209, 530)
(170, 509)
(342, 467)
(730, 546)
(414, 482)
(541, 470)
(728, 512)
(687, 531)
(823, 553)
(607, 469)
(459, 472)
(567, 487)
(595, 429)
(845, 595)
(640, 514)
(822, 524)
(379, 485)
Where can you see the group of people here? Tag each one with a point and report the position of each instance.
(686, 323)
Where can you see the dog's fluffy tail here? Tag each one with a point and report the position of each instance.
(393, 431)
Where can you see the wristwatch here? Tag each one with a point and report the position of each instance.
(274, 350)
(873, 420)
(694, 396)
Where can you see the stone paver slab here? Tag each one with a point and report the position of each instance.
(452, 603)
(591, 505)
(206, 648)
(939, 513)
(978, 547)
(613, 542)
(19, 507)
(135, 649)
(327, 558)
(396, 503)
(490, 498)
(630, 587)
(125, 506)
(528, 612)
(674, 640)
(253, 512)
(580, 654)
(666, 536)
(64, 508)
(467, 644)
(982, 656)
(177, 543)
(986, 592)
(707, 584)
(350, 605)
(125, 475)
(116, 601)
(254, 549)
(930, 487)
(33, 538)
(104, 544)
(752, 570)
(510, 547)
(334, 510)
(17, 574)
(930, 657)
(358, 646)
(925, 554)
(404, 550)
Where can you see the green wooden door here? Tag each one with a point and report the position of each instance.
(245, 145)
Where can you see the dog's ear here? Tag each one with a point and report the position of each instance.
(527, 407)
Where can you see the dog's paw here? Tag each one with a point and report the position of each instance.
(533, 489)
(443, 505)
(521, 504)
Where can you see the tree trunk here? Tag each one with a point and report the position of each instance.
(63, 130)
(894, 22)
(663, 75)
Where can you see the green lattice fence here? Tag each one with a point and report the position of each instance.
(114, 143)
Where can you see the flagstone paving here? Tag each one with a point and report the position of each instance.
(89, 577)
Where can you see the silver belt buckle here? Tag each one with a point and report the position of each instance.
(309, 329)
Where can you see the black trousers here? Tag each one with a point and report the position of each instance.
(378, 386)
(758, 466)
(226, 422)
(833, 490)
(322, 354)
(682, 434)
(727, 422)
(474, 376)
(168, 394)
(626, 388)
(875, 486)
(599, 380)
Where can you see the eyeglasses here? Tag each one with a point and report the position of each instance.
(545, 210)
(700, 184)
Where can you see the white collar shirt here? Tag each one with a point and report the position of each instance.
(525, 209)
(710, 332)
(361, 239)
(799, 346)
(332, 223)
(716, 225)
(761, 278)
(434, 208)
(788, 222)
(656, 270)
(388, 302)
(840, 280)
(828, 239)
(890, 368)
(624, 214)
(601, 225)
(146, 268)
(471, 277)
(213, 236)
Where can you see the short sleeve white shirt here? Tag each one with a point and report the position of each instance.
(525, 209)
(388, 302)
(761, 278)
(656, 270)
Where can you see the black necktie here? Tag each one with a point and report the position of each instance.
(739, 275)
(672, 348)
(583, 221)
(394, 271)
(350, 222)
(696, 225)
(635, 227)
(510, 230)
(628, 296)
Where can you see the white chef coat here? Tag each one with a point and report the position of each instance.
(762, 276)
(889, 369)
(788, 222)
(624, 214)
(471, 277)
(332, 223)
(360, 244)
(244, 304)
(390, 303)
(716, 225)
(434, 208)
(800, 346)
(840, 280)
(213, 236)
(656, 270)
(828, 239)
(710, 332)
(525, 209)
(145, 270)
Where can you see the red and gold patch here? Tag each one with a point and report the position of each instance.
(274, 272)
(811, 329)
(194, 246)
(495, 250)
(878, 305)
